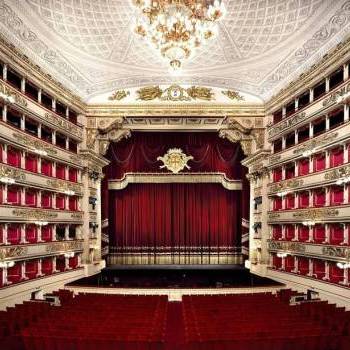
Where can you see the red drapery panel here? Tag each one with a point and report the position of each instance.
(290, 201)
(13, 233)
(337, 157)
(276, 261)
(139, 153)
(277, 174)
(319, 162)
(46, 200)
(31, 233)
(46, 167)
(46, 233)
(336, 233)
(13, 157)
(72, 174)
(46, 266)
(31, 270)
(337, 195)
(14, 273)
(319, 268)
(303, 265)
(277, 203)
(175, 216)
(319, 233)
(60, 171)
(304, 166)
(13, 195)
(303, 233)
(290, 232)
(31, 163)
(276, 231)
(30, 198)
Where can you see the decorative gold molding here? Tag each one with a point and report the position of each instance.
(20, 100)
(274, 159)
(285, 185)
(336, 252)
(286, 246)
(62, 185)
(76, 159)
(175, 178)
(335, 95)
(37, 214)
(34, 144)
(313, 214)
(336, 174)
(272, 215)
(6, 171)
(12, 252)
(65, 125)
(56, 247)
(76, 216)
(285, 124)
(175, 93)
(316, 143)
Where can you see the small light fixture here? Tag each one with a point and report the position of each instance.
(309, 223)
(343, 180)
(69, 193)
(69, 255)
(41, 223)
(308, 153)
(282, 255)
(7, 180)
(7, 264)
(40, 152)
(282, 194)
(343, 265)
(7, 98)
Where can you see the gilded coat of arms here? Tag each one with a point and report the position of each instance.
(175, 160)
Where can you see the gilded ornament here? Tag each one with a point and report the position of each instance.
(76, 216)
(336, 252)
(12, 94)
(273, 216)
(64, 124)
(12, 252)
(149, 93)
(233, 95)
(311, 145)
(37, 214)
(285, 185)
(313, 214)
(34, 144)
(62, 185)
(285, 124)
(119, 95)
(175, 160)
(337, 173)
(6, 171)
(64, 246)
(201, 93)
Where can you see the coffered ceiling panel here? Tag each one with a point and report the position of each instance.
(89, 45)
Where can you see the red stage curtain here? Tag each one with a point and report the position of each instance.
(139, 153)
(159, 216)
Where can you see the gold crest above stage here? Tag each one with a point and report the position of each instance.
(175, 160)
(175, 93)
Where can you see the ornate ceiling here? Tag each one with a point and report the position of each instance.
(90, 47)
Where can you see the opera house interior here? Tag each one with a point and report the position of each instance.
(175, 174)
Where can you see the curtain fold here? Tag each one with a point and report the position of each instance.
(175, 217)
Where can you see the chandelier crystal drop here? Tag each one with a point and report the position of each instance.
(177, 27)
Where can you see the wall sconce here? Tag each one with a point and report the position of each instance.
(309, 223)
(40, 152)
(282, 255)
(41, 223)
(343, 265)
(69, 255)
(69, 193)
(7, 180)
(7, 264)
(7, 98)
(344, 180)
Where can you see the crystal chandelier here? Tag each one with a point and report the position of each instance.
(177, 27)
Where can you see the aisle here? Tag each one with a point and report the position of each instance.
(174, 333)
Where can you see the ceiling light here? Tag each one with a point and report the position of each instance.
(177, 27)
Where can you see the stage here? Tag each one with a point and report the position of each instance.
(174, 280)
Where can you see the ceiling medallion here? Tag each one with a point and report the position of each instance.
(175, 160)
(175, 93)
(177, 27)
